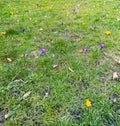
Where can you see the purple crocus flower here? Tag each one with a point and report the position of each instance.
(43, 50)
(74, 11)
(23, 30)
(102, 45)
(103, 15)
(85, 49)
(94, 26)
(26, 53)
(53, 30)
(62, 23)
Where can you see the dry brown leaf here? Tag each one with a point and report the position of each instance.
(53, 55)
(26, 94)
(80, 51)
(78, 39)
(6, 116)
(115, 76)
(55, 66)
(114, 57)
(35, 53)
(70, 69)
(118, 19)
(117, 60)
(8, 59)
(50, 42)
(19, 81)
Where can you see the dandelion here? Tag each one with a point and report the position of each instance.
(107, 32)
(86, 14)
(24, 6)
(3, 33)
(88, 103)
(9, 5)
(102, 45)
(21, 55)
(11, 13)
(83, 23)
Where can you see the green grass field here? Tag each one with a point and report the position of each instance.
(76, 82)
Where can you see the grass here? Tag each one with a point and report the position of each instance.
(57, 94)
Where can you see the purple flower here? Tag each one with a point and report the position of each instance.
(26, 53)
(37, 5)
(43, 50)
(74, 11)
(103, 15)
(102, 45)
(62, 23)
(94, 26)
(85, 49)
(53, 30)
(23, 30)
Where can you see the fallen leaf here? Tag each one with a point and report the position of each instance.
(8, 59)
(70, 69)
(55, 66)
(19, 81)
(41, 29)
(114, 57)
(9, 114)
(115, 76)
(117, 60)
(26, 94)
(35, 53)
(118, 19)
(78, 39)
(46, 94)
(49, 42)
(53, 55)
(19, 44)
(80, 51)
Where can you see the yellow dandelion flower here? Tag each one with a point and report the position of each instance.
(107, 32)
(21, 55)
(83, 23)
(86, 14)
(24, 6)
(11, 13)
(88, 103)
(9, 5)
(3, 33)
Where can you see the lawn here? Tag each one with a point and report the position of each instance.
(59, 63)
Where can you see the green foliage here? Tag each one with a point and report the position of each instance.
(61, 79)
